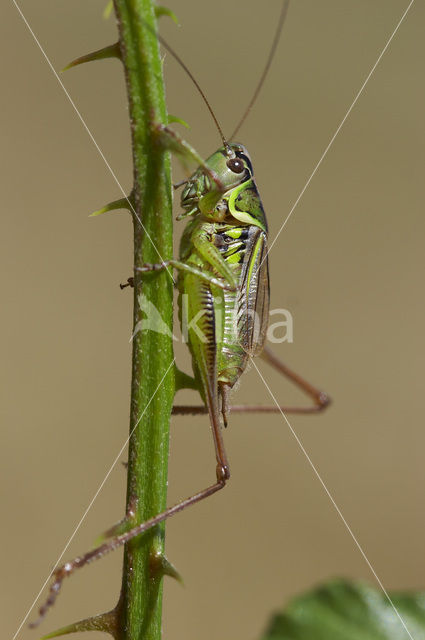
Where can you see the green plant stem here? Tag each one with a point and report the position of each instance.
(152, 387)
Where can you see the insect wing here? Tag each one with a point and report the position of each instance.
(254, 296)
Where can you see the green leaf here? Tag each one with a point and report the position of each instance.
(105, 622)
(343, 610)
(165, 11)
(108, 10)
(178, 120)
(111, 51)
(115, 205)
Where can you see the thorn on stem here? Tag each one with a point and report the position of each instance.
(165, 11)
(161, 566)
(111, 51)
(115, 205)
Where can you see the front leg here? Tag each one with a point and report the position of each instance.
(210, 253)
(171, 141)
(182, 266)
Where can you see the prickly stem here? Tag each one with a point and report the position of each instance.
(138, 612)
(153, 371)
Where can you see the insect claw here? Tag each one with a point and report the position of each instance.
(129, 283)
(179, 184)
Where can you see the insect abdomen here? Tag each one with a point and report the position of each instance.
(231, 355)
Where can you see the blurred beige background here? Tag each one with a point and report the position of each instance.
(349, 265)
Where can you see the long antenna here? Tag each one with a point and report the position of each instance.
(196, 83)
(273, 48)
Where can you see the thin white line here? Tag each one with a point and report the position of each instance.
(153, 244)
(338, 130)
(347, 526)
(268, 388)
(88, 130)
(91, 503)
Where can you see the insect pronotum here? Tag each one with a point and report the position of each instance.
(224, 277)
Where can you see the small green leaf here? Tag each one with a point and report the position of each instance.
(111, 51)
(164, 11)
(116, 530)
(106, 622)
(108, 10)
(343, 610)
(183, 381)
(178, 120)
(160, 565)
(122, 203)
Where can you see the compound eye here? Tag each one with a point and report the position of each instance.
(236, 165)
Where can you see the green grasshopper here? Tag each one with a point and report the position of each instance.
(224, 277)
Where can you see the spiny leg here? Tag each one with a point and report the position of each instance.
(225, 407)
(182, 266)
(321, 399)
(67, 569)
(198, 409)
